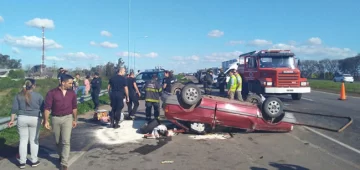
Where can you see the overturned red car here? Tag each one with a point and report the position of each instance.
(201, 113)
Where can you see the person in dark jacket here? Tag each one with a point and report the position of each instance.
(95, 90)
(152, 97)
(208, 80)
(134, 95)
(221, 79)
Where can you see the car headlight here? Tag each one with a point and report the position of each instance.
(304, 83)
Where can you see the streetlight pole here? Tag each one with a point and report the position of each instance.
(129, 34)
(135, 47)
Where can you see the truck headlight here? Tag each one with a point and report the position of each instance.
(304, 83)
(268, 83)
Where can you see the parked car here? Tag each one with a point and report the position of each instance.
(194, 112)
(146, 75)
(344, 78)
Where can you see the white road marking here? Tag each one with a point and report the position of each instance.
(308, 99)
(332, 139)
(323, 150)
(335, 94)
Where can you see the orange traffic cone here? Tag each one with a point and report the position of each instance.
(342, 92)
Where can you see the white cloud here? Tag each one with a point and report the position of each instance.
(54, 58)
(317, 50)
(107, 44)
(39, 23)
(15, 50)
(236, 42)
(152, 55)
(185, 60)
(314, 41)
(259, 42)
(105, 33)
(222, 56)
(215, 33)
(1, 19)
(93, 43)
(125, 54)
(31, 42)
(81, 56)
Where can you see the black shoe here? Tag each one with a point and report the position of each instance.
(22, 166)
(35, 164)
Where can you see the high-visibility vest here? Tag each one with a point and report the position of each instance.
(232, 83)
(239, 82)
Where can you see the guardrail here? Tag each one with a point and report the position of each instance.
(4, 121)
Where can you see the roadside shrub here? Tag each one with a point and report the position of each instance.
(16, 74)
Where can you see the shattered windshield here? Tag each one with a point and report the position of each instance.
(277, 62)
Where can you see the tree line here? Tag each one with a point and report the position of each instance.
(327, 69)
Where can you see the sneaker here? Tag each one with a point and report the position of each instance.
(22, 166)
(35, 164)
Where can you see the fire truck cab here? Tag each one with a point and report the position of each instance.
(272, 72)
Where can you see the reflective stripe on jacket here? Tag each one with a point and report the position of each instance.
(152, 91)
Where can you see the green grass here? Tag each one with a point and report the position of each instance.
(11, 136)
(328, 85)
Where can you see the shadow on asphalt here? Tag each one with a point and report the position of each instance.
(281, 167)
(11, 153)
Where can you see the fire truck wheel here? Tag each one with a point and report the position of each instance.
(176, 88)
(190, 94)
(254, 98)
(273, 107)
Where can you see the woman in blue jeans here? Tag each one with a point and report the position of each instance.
(28, 106)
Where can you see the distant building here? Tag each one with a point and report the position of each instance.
(226, 64)
(5, 72)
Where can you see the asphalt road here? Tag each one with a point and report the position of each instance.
(94, 146)
(344, 144)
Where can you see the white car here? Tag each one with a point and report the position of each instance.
(344, 77)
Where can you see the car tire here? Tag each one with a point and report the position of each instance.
(254, 98)
(273, 107)
(176, 88)
(190, 94)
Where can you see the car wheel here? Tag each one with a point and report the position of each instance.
(254, 98)
(176, 88)
(190, 94)
(273, 107)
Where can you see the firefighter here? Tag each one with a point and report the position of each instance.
(208, 80)
(239, 86)
(221, 79)
(152, 97)
(232, 85)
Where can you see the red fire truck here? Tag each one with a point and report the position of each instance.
(272, 72)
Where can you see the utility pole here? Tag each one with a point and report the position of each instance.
(129, 34)
(43, 51)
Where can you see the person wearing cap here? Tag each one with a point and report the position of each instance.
(167, 83)
(232, 85)
(221, 79)
(28, 105)
(95, 90)
(62, 102)
(208, 80)
(152, 97)
(60, 74)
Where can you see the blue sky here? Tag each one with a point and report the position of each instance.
(183, 35)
